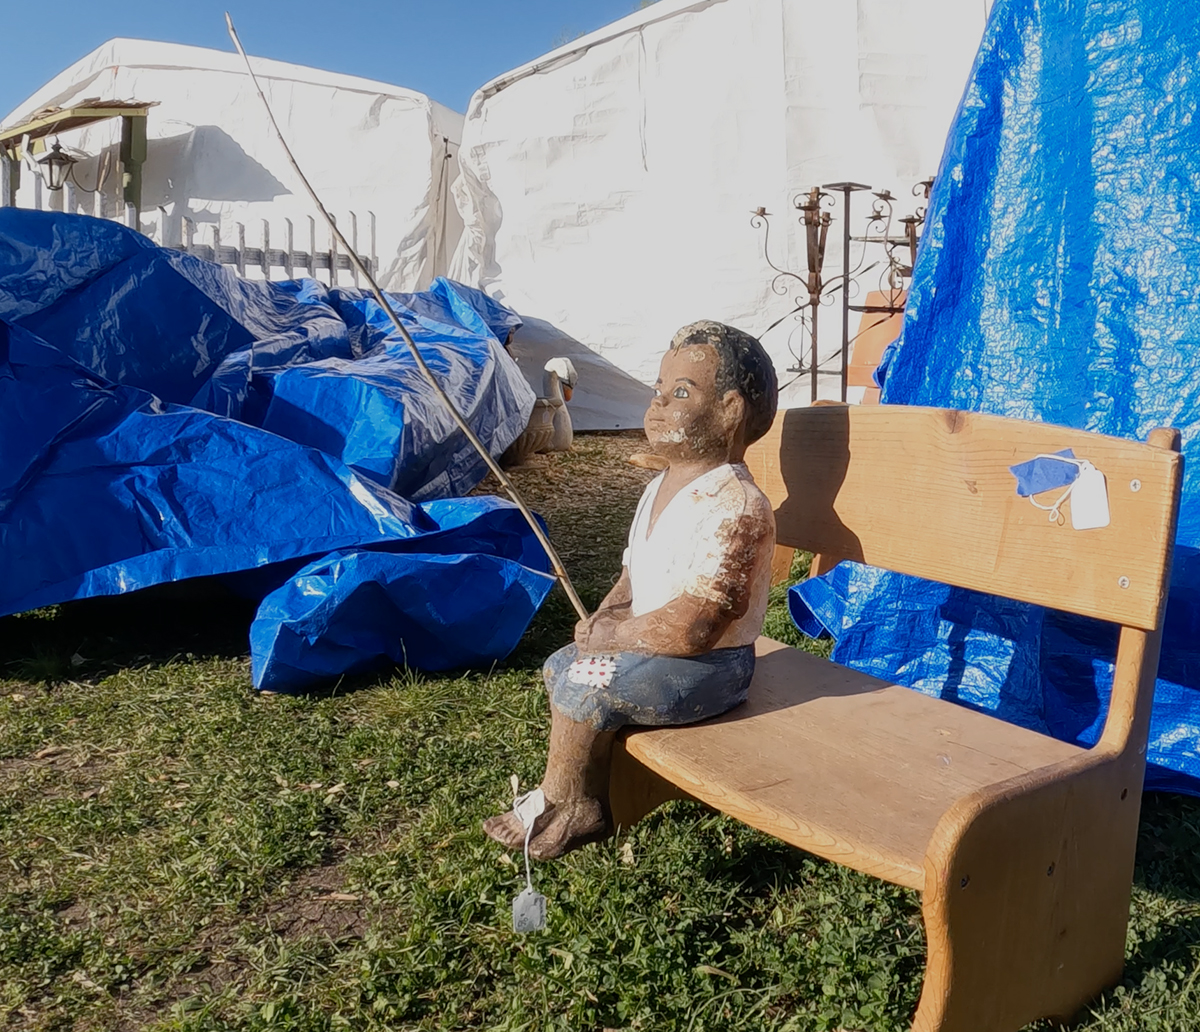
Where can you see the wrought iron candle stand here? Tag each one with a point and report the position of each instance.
(816, 207)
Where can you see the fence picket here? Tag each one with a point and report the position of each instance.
(373, 260)
(333, 254)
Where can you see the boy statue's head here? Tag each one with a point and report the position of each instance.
(716, 393)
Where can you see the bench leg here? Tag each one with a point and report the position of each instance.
(635, 790)
(1027, 897)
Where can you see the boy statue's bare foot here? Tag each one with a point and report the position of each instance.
(573, 823)
(575, 785)
(506, 829)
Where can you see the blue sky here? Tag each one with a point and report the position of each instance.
(444, 48)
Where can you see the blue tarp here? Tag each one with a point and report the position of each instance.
(1058, 280)
(162, 419)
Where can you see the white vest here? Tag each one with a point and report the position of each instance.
(709, 536)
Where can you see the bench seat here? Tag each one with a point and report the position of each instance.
(842, 764)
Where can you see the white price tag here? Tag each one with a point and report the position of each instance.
(1089, 499)
(529, 911)
(529, 908)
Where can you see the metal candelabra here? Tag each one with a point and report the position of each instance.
(817, 208)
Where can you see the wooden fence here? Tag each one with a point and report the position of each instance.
(274, 249)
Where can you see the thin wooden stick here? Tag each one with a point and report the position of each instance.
(559, 570)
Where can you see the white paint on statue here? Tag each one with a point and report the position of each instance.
(707, 543)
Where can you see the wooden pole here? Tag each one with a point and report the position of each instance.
(559, 570)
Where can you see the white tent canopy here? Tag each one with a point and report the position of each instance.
(383, 153)
(607, 187)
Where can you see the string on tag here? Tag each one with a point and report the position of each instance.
(529, 908)
(528, 837)
(1088, 493)
(1055, 510)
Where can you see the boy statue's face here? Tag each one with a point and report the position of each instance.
(686, 418)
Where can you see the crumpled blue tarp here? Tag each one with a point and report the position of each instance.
(353, 611)
(161, 419)
(460, 595)
(320, 366)
(1058, 280)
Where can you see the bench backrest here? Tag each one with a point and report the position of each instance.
(928, 492)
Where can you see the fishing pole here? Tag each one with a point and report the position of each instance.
(560, 571)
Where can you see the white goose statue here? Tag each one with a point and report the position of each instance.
(549, 428)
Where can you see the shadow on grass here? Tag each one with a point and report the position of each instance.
(96, 636)
(1168, 845)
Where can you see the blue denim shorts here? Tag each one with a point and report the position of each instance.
(651, 690)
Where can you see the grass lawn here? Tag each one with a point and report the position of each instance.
(178, 853)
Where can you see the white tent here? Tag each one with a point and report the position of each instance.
(607, 187)
(380, 153)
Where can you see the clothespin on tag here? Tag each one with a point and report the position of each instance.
(529, 908)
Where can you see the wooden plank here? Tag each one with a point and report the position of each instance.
(842, 764)
(876, 330)
(928, 492)
(265, 257)
(333, 254)
(70, 118)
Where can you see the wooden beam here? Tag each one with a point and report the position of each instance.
(77, 117)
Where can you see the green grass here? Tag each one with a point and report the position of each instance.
(178, 853)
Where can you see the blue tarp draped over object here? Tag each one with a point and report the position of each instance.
(162, 419)
(319, 366)
(1058, 280)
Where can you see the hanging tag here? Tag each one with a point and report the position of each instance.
(529, 908)
(1089, 499)
(529, 807)
(529, 911)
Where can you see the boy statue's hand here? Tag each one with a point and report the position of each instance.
(595, 634)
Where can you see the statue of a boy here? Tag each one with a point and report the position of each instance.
(673, 642)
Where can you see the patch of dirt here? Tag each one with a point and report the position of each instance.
(75, 915)
(587, 497)
(587, 477)
(60, 771)
(314, 903)
(317, 903)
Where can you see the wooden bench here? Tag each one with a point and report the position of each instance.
(1021, 846)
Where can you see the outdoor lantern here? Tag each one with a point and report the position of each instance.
(57, 164)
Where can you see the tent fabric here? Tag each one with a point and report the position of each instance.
(108, 487)
(1057, 281)
(370, 148)
(607, 187)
